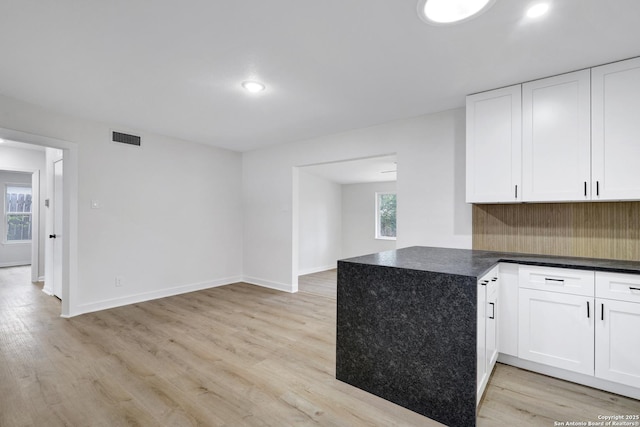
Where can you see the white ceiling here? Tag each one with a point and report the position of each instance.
(175, 68)
(374, 169)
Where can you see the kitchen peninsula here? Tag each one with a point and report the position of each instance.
(407, 324)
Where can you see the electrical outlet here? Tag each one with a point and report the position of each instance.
(119, 281)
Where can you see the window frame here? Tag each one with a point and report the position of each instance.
(377, 215)
(5, 224)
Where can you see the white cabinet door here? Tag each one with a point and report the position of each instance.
(481, 355)
(618, 341)
(508, 309)
(557, 329)
(492, 323)
(556, 138)
(487, 339)
(494, 146)
(616, 131)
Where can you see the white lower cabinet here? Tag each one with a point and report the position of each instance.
(618, 342)
(482, 375)
(579, 325)
(487, 330)
(508, 309)
(556, 317)
(618, 328)
(557, 330)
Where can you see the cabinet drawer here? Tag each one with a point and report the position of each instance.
(618, 286)
(563, 280)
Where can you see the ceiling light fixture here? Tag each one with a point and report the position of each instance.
(253, 86)
(538, 10)
(1, 140)
(442, 12)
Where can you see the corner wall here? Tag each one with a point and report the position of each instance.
(430, 187)
(320, 223)
(170, 216)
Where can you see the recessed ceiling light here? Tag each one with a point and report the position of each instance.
(451, 11)
(253, 86)
(537, 10)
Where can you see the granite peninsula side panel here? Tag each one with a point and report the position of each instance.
(409, 336)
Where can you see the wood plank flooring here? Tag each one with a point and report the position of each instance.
(323, 283)
(237, 355)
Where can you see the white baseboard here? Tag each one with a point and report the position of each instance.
(575, 377)
(148, 296)
(268, 284)
(41, 279)
(317, 269)
(15, 263)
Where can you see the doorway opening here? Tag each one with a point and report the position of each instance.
(336, 215)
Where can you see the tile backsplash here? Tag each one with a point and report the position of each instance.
(591, 229)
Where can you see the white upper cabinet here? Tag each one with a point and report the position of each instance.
(567, 138)
(494, 146)
(616, 131)
(556, 138)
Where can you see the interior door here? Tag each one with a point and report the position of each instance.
(57, 228)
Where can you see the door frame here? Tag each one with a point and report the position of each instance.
(70, 212)
(35, 232)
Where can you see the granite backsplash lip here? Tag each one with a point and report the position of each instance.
(474, 263)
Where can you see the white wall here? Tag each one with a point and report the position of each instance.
(171, 212)
(12, 158)
(320, 223)
(359, 219)
(430, 188)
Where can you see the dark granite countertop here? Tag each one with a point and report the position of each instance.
(474, 263)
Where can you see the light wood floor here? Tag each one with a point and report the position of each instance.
(323, 283)
(231, 356)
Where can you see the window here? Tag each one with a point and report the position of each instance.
(17, 213)
(386, 216)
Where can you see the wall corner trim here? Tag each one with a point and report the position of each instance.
(268, 284)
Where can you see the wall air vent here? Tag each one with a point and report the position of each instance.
(125, 138)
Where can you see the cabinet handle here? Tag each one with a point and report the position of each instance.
(602, 312)
(588, 313)
(484, 282)
(493, 310)
(557, 281)
(631, 288)
(597, 188)
(516, 191)
(495, 278)
(585, 189)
